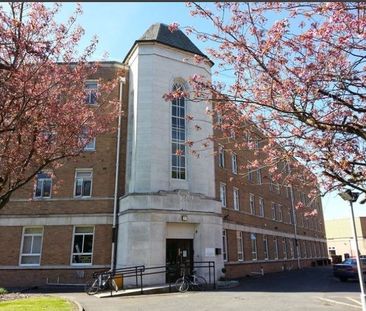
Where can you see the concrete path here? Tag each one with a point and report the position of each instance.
(312, 289)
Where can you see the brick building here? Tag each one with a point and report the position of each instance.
(58, 228)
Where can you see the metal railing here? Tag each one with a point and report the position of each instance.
(171, 271)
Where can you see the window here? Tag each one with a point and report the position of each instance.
(82, 250)
(256, 143)
(224, 245)
(275, 248)
(219, 118)
(291, 214)
(250, 175)
(261, 207)
(178, 165)
(271, 184)
(284, 248)
(86, 141)
(43, 185)
(253, 238)
(83, 183)
(292, 251)
(265, 247)
(279, 212)
(314, 250)
(223, 194)
(288, 192)
(236, 199)
(251, 203)
(304, 250)
(273, 208)
(278, 189)
(239, 239)
(234, 163)
(91, 89)
(259, 176)
(31, 246)
(232, 134)
(310, 250)
(221, 157)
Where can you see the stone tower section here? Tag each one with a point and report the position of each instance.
(169, 204)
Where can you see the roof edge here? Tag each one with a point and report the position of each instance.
(171, 46)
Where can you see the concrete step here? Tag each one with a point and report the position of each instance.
(136, 291)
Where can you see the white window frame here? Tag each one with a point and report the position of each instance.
(288, 191)
(271, 184)
(218, 118)
(292, 248)
(274, 211)
(265, 248)
(81, 253)
(223, 197)
(21, 254)
(83, 170)
(310, 249)
(90, 146)
(250, 175)
(178, 171)
(305, 250)
(278, 188)
(275, 248)
(279, 213)
(234, 163)
(88, 93)
(284, 248)
(42, 179)
(232, 134)
(291, 216)
(221, 156)
(252, 203)
(224, 245)
(253, 240)
(261, 206)
(259, 176)
(240, 245)
(236, 199)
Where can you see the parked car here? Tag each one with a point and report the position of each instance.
(348, 269)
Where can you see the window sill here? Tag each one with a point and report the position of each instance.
(82, 198)
(42, 198)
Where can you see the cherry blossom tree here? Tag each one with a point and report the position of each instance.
(43, 114)
(295, 78)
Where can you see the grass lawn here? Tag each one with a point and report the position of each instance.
(46, 303)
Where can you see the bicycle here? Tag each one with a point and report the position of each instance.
(101, 281)
(190, 281)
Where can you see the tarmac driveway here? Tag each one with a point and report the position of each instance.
(308, 289)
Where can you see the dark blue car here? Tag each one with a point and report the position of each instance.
(348, 269)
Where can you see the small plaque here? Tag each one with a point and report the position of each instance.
(210, 252)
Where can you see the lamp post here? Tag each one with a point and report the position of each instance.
(352, 197)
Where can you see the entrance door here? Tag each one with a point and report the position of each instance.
(179, 254)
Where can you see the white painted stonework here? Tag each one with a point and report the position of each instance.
(152, 209)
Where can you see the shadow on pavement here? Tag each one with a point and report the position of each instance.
(315, 279)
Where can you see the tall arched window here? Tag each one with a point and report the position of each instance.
(178, 167)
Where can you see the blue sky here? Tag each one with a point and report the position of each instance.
(118, 25)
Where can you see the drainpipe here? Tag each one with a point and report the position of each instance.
(122, 80)
(295, 227)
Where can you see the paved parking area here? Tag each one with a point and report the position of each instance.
(308, 289)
